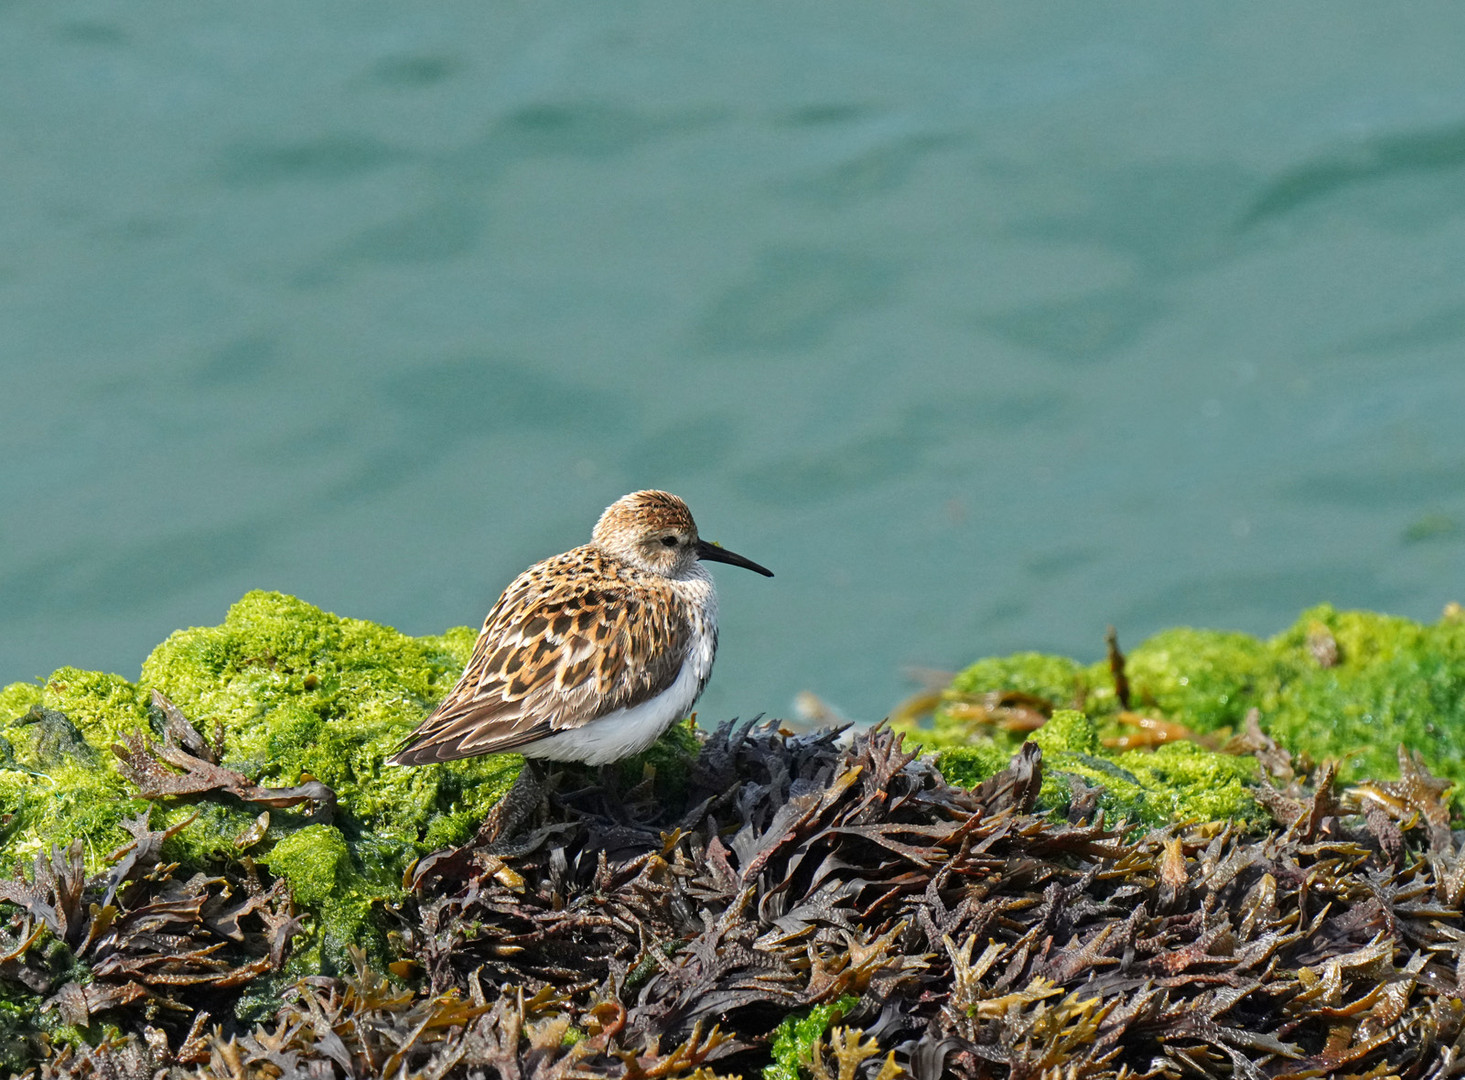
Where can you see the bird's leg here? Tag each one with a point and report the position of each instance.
(517, 806)
(531, 772)
(606, 777)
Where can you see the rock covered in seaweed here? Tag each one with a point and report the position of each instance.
(847, 909)
(295, 694)
(1348, 685)
(771, 896)
(137, 940)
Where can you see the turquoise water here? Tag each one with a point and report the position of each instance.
(984, 326)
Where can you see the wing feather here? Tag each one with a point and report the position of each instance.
(570, 640)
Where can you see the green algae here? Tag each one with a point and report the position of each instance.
(1350, 686)
(56, 779)
(17, 1030)
(1382, 681)
(1176, 782)
(1207, 679)
(302, 692)
(323, 877)
(1397, 682)
(1052, 678)
(793, 1042)
(295, 692)
(965, 765)
(1067, 732)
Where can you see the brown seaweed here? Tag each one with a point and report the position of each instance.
(591, 930)
(144, 763)
(801, 872)
(135, 940)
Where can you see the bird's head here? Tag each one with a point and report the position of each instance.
(654, 530)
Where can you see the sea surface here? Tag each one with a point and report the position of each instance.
(984, 325)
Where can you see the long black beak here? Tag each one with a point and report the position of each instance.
(712, 553)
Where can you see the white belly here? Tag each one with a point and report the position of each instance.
(628, 731)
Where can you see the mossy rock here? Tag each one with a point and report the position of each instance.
(1347, 685)
(295, 690)
(1052, 678)
(1177, 782)
(1209, 677)
(1396, 682)
(1351, 686)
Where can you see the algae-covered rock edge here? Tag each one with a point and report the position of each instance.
(296, 692)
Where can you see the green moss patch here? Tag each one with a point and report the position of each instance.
(793, 1043)
(56, 776)
(323, 877)
(295, 692)
(301, 691)
(1176, 782)
(1350, 685)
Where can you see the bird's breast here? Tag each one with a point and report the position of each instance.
(699, 600)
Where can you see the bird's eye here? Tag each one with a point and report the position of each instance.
(669, 541)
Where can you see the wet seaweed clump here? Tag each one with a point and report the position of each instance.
(137, 946)
(831, 906)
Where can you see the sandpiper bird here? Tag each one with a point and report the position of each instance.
(591, 655)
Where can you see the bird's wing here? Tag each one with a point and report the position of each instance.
(560, 648)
